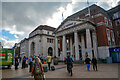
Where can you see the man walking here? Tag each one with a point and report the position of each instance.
(24, 62)
(94, 61)
(30, 63)
(49, 60)
(16, 63)
(87, 61)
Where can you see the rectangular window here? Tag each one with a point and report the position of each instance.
(110, 22)
(113, 39)
(48, 33)
(108, 35)
(58, 41)
(48, 40)
(116, 15)
(51, 40)
(117, 22)
(106, 21)
(118, 32)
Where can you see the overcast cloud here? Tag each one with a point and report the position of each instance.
(20, 18)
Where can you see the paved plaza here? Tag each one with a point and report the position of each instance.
(79, 71)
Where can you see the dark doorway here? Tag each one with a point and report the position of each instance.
(58, 51)
(32, 48)
(80, 53)
(50, 51)
(93, 53)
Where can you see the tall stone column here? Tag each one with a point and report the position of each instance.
(89, 44)
(83, 46)
(56, 46)
(64, 47)
(71, 49)
(76, 46)
(95, 44)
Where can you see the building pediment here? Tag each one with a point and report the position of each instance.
(68, 23)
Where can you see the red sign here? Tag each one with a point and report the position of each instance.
(2, 54)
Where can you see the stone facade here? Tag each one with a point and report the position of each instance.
(24, 47)
(73, 34)
(40, 42)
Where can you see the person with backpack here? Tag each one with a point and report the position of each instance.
(69, 62)
(24, 62)
(37, 70)
(30, 63)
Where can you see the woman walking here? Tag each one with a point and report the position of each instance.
(37, 70)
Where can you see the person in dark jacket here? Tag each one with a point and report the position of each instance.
(30, 63)
(94, 61)
(87, 61)
(16, 63)
(24, 62)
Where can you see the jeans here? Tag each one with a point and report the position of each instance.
(49, 65)
(88, 66)
(94, 66)
(31, 64)
(23, 64)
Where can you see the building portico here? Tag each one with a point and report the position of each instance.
(77, 37)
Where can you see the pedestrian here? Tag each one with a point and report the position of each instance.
(20, 59)
(37, 70)
(69, 62)
(49, 60)
(65, 60)
(94, 62)
(16, 63)
(87, 61)
(24, 62)
(30, 63)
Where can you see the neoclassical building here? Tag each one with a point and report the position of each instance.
(77, 37)
(40, 42)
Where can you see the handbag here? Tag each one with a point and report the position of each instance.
(44, 77)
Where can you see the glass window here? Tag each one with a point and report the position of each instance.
(110, 22)
(48, 33)
(117, 22)
(58, 41)
(50, 40)
(109, 43)
(116, 15)
(113, 39)
(106, 21)
(118, 33)
(108, 35)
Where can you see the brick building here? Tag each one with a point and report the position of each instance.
(103, 31)
(100, 17)
(115, 17)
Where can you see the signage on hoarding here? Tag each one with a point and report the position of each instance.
(2, 54)
(115, 50)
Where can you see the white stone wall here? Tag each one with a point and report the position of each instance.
(41, 45)
(35, 32)
(46, 32)
(37, 42)
(103, 52)
(46, 45)
(23, 48)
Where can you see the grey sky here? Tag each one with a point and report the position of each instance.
(24, 17)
